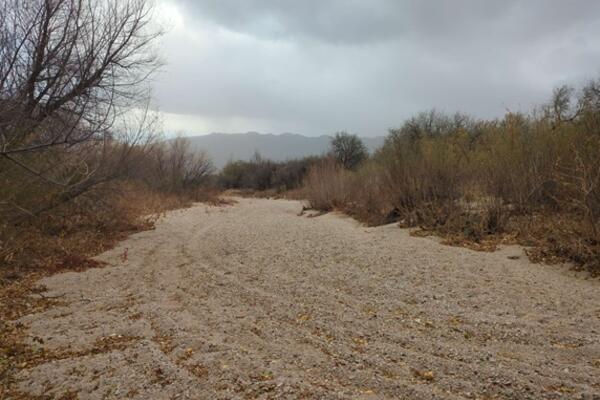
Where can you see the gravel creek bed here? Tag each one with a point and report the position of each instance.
(256, 301)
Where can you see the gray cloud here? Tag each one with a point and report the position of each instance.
(316, 66)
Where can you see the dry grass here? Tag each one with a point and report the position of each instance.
(552, 236)
(91, 224)
(328, 185)
(66, 237)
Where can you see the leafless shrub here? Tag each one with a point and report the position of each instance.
(172, 167)
(532, 178)
(328, 185)
(80, 160)
(260, 174)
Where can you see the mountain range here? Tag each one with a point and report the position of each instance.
(223, 147)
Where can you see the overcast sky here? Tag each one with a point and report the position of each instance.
(317, 66)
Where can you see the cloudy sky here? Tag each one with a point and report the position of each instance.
(317, 66)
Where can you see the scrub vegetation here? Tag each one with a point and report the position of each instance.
(527, 178)
(82, 160)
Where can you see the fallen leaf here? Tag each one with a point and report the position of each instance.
(424, 375)
(360, 341)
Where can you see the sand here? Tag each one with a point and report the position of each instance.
(255, 301)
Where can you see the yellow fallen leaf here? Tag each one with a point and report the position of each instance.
(303, 317)
(360, 341)
(424, 375)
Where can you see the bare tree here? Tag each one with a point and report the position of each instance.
(348, 149)
(70, 73)
(174, 167)
(563, 108)
(188, 169)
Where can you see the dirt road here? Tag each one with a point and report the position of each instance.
(254, 301)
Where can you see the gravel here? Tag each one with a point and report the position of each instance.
(255, 301)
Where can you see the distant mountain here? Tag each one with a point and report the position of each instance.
(223, 147)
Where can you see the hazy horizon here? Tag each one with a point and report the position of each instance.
(225, 147)
(174, 134)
